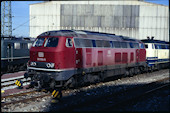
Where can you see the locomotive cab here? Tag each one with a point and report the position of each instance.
(157, 54)
(49, 53)
(51, 57)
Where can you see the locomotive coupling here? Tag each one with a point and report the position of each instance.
(26, 75)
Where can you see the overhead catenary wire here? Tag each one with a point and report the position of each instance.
(23, 23)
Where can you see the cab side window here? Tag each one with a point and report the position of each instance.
(29, 45)
(141, 46)
(69, 42)
(24, 46)
(17, 46)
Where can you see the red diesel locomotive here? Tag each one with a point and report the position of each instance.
(67, 58)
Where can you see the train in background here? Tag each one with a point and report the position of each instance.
(14, 53)
(69, 58)
(157, 53)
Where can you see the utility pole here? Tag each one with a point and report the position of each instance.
(6, 19)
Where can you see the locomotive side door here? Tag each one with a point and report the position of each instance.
(100, 58)
(78, 57)
(137, 55)
(142, 53)
(10, 52)
(156, 50)
(78, 52)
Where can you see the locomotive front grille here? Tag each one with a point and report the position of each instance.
(31, 71)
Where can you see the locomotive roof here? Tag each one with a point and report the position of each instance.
(154, 41)
(17, 40)
(87, 34)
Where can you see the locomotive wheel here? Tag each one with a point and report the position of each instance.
(158, 67)
(136, 71)
(52, 84)
(141, 70)
(131, 72)
(101, 76)
(151, 69)
(73, 83)
(20, 68)
(40, 85)
(146, 69)
(126, 73)
(15, 68)
(10, 68)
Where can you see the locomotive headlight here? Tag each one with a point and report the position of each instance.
(50, 65)
(33, 64)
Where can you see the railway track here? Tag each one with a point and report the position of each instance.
(23, 97)
(13, 83)
(10, 82)
(19, 94)
(117, 99)
(11, 79)
(87, 104)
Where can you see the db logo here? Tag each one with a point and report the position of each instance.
(40, 54)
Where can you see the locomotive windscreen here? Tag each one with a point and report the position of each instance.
(51, 42)
(38, 42)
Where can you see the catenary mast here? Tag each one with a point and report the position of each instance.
(6, 19)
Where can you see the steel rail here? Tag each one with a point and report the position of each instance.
(19, 94)
(24, 100)
(11, 80)
(13, 84)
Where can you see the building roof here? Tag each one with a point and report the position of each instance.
(93, 1)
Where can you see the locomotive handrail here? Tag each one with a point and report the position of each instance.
(11, 53)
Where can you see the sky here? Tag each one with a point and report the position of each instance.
(20, 13)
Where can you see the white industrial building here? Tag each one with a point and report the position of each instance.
(135, 19)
